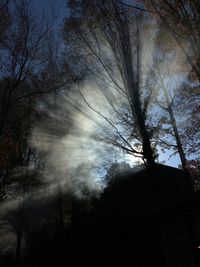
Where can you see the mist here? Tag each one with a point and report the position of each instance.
(76, 141)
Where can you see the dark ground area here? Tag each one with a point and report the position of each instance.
(149, 218)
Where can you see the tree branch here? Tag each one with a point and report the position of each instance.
(136, 7)
(112, 124)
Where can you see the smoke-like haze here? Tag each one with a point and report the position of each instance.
(74, 140)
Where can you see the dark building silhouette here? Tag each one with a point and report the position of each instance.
(147, 218)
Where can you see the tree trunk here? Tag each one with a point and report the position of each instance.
(177, 137)
(18, 247)
(147, 149)
(175, 129)
(188, 181)
(60, 212)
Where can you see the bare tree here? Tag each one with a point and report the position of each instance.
(31, 68)
(107, 39)
(25, 56)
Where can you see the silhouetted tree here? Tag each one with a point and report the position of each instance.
(106, 37)
(25, 57)
(31, 69)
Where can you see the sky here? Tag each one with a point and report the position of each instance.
(58, 5)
